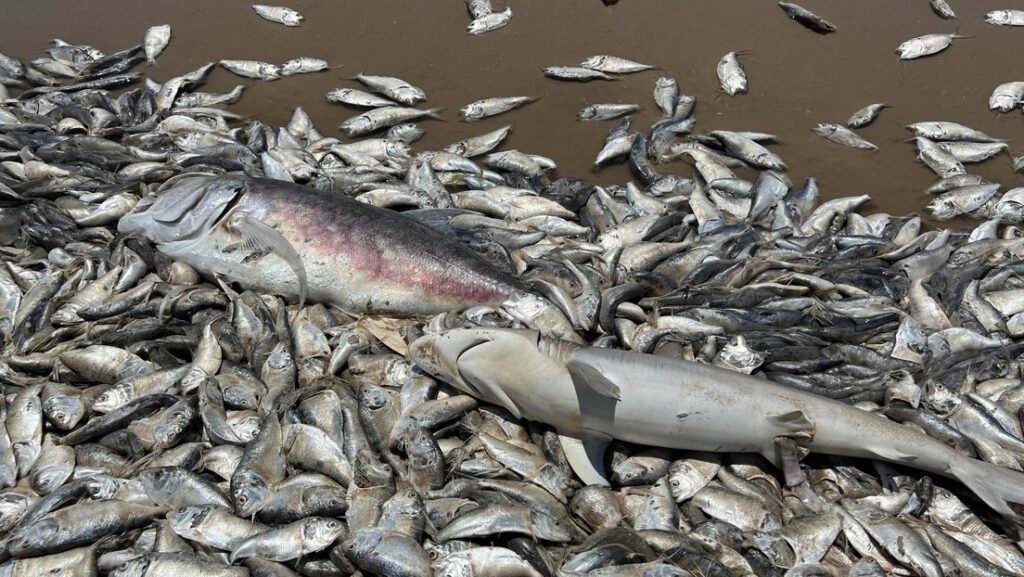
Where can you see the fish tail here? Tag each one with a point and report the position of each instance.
(999, 487)
(539, 314)
(435, 113)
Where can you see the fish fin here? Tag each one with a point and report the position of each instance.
(1001, 488)
(594, 379)
(586, 456)
(794, 425)
(434, 113)
(256, 232)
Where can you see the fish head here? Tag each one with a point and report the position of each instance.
(64, 411)
(184, 208)
(321, 530)
(250, 494)
(160, 483)
(186, 519)
(325, 498)
(499, 366)
(113, 398)
(40, 534)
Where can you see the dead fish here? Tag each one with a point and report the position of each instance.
(490, 22)
(866, 115)
(807, 18)
(278, 14)
(575, 73)
(253, 69)
(489, 107)
(731, 74)
(157, 38)
(606, 111)
(925, 45)
(614, 65)
(942, 8)
(1005, 17)
(842, 135)
(363, 273)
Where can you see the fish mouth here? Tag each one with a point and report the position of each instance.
(439, 353)
(185, 208)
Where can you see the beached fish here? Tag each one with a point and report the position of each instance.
(490, 22)
(1006, 96)
(606, 111)
(278, 14)
(1005, 17)
(575, 73)
(157, 38)
(731, 74)
(492, 107)
(866, 115)
(591, 395)
(807, 18)
(250, 231)
(925, 45)
(842, 135)
(614, 64)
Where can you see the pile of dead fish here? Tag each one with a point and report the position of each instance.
(159, 423)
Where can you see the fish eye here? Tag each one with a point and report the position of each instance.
(243, 499)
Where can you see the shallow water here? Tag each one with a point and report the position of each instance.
(797, 78)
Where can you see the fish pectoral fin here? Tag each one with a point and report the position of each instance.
(586, 456)
(594, 379)
(260, 234)
(794, 425)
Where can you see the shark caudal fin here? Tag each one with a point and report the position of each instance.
(999, 487)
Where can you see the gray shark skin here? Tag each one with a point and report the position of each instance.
(592, 395)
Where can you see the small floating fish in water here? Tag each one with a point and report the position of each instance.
(278, 14)
(489, 107)
(253, 69)
(926, 45)
(942, 8)
(731, 74)
(807, 18)
(842, 135)
(866, 115)
(614, 65)
(394, 88)
(1006, 96)
(575, 73)
(606, 111)
(156, 40)
(303, 65)
(490, 22)
(1005, 17)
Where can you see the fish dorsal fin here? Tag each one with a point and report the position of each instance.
(263, 235)
(586, 456)
(593, 378)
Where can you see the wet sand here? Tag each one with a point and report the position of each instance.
(797, 78)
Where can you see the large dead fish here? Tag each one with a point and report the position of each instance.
(287, 239)
(592, 395)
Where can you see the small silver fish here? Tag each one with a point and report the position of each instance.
(866, 115)
(278, 14)
(731, 74)
(156, 40)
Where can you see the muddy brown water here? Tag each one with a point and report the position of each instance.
(797, 78)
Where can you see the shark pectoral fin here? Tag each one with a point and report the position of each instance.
(794, 425)
(594, 379)
(262, 235)
(586, 456)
